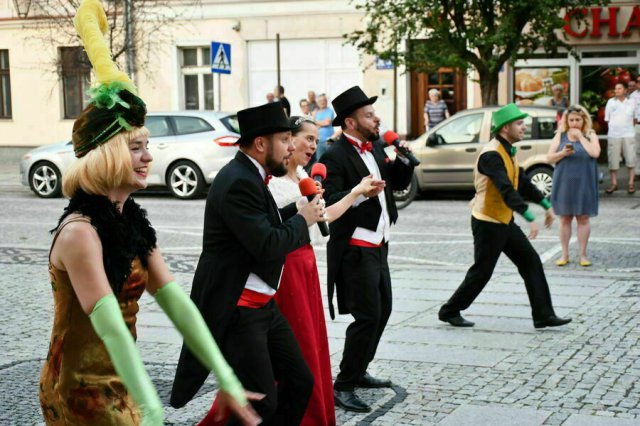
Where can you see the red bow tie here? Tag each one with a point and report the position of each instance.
(267, 179)
(365, 146)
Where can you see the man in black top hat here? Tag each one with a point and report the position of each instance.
(245, 242)
(358, 246)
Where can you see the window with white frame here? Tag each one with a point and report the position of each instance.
(197, 79)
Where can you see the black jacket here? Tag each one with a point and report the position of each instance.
(242, 234)
(345, 169)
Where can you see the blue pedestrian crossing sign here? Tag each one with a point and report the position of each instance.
(220, 57)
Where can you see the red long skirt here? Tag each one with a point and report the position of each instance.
(300, 301)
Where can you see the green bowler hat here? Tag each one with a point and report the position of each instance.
(506, 115)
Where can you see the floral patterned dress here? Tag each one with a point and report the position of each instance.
(78, 384)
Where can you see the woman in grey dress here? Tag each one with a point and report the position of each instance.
(574, 150)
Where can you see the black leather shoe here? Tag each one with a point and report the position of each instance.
(349, 401)
(369, 381)
(458, 321)
(553, 321)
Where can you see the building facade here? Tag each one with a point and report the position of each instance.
(42, 85)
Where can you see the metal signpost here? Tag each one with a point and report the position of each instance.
(220, 63)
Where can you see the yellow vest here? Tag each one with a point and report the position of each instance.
(488, 204)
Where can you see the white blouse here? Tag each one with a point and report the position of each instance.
(285, 191)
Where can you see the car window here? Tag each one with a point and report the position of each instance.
(547, 127)
(465, 129)
(528, 134)
(158, 126)
(186, 125)
(231, 123)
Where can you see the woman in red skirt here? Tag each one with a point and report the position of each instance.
(299, 297)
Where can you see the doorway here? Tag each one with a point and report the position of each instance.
(451, 83)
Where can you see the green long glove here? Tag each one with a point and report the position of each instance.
(108, 323)
(186, 317)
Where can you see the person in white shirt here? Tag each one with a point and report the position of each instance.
(357, 251)
(634, 95)
(619, 113)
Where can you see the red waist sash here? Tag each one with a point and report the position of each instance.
(362, 243)
(253, 299)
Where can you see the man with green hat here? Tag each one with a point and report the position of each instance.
(500, 186)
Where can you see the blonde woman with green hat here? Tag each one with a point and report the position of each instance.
(501, 186)
(103, 257)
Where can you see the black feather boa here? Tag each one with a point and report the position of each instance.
(124, 236)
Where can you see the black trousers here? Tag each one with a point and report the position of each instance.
(262, 350)
(365, 275)
(489, 241)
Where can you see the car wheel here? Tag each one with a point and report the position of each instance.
(405, 197)
(542, 178)
(45, 180)
(185, 180)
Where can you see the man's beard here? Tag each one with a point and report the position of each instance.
(275, 168)
(368, 134)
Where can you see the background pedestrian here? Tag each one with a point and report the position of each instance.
(574, 150)
(435, 110)
(620, 113)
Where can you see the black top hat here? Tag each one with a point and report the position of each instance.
(261, 120)
(348, 101)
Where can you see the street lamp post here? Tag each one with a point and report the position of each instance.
(22, 7)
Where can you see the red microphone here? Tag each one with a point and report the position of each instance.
(319, 172)
(309, 189)
(392, 138)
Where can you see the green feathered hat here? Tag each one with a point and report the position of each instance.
(115, 106)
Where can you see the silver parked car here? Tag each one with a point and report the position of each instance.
(188, 148)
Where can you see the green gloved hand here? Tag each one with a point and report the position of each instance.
(545, 203)
(528, 215)
(187, 318)
(108, 323)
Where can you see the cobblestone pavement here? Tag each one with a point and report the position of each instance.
(501, 372)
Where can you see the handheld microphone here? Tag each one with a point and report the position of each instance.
(309, 189)
(319, 172)
(392, 138)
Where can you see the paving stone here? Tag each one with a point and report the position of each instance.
(458, 337)
(493, 415)
(584, 420)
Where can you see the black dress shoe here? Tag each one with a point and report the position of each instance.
(458, 321)
(553, 321)
(349, 401)
(369, 381)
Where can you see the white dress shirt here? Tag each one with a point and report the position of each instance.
(254, 282)
(381, 234)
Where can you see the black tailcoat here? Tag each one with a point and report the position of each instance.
(243, 234)
(345, 169)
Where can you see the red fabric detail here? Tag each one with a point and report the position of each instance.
(253, 299)
(362, 243)
(267, 179)
(209, 418)
(300, 301)
(365, 146)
